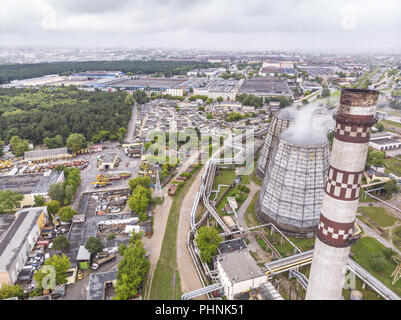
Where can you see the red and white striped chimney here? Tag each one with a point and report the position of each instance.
(354, 120)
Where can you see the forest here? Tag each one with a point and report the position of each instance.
(162, 68)
(36, 114)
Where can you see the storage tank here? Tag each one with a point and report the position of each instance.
(293, 186)
(280, 122)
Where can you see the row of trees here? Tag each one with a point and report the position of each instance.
(164, 68)
(132, 269)
(64, 192)
(51, 116)
(141, 195)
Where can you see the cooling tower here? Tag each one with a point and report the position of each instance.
(279, 124)
(293, 187)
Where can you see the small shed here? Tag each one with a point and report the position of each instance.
(83, 258)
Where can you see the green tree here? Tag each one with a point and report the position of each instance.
(208, 240)
(53, 143)
(139, 201)
(129, 100)
(326, 92)
(142, 181)
(75, 142)
(39, 201)
(391, 187)
(18, 146)
(219, 99)
(60, 243)
(2, 143)
(66, 214)
(374, 158)
(132, 270)
(9, 201)
(94, 245)
(121, 249)
(56, 192)
(10, 291)
(53, 207)
(61, 265)
(379, 127)
(121, 133)
(111, 236)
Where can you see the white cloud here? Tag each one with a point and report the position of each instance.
(285, 24)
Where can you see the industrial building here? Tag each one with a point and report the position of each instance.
(239, 273)
(18, 241)
(293, 186)
(280, 122)
(108, 162)
(31, 185)
(384, 141)
(50, 154)
(99, 283)
(265, 87)
(227, 89)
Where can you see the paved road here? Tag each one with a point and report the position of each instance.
(131, 125)
(189, 278)
(79, 289)
(162, 211)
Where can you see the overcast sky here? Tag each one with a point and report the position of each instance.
(298, 25)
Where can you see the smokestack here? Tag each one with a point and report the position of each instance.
(354, 120)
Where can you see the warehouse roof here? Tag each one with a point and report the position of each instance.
(29, 183)
(45, 153)
(96, 284)
(265, 85)
(15, 237)
(240, 266)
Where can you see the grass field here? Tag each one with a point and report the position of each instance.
(397, 237)
(364, 249)
(392, 166)
(227, 176)
(162, 283)
(379, 215)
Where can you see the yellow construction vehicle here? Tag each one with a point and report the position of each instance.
(101, 181)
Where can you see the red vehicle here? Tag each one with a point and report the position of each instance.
(127, 164)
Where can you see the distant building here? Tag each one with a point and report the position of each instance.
(384, 141)
(50, 154)
(18, 241)
(265, 87)
(238, 273)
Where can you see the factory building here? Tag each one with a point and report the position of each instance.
(239, 273)
(293, 186)
(227, 89)
(265, 87)
(31, 185)
(384, 141)
(280, 122)
(18, 241)
(335, 233)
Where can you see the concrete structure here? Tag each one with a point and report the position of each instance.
(18, 241)
(108, 162)
(227, 89)
(292, 191)
(31, 185)
(335, 232)
(238, 273)
(280, 122)
(99, 283)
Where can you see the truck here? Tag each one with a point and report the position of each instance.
(103, 261)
